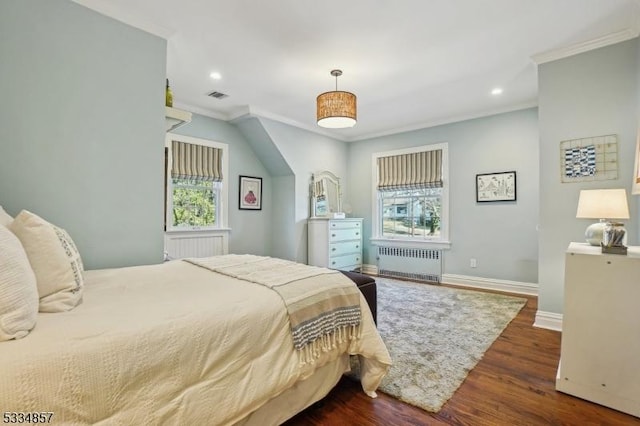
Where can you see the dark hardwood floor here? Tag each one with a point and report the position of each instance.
(514, 384)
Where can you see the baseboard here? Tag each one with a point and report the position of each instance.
(369, 269)
(529, 289)
(548, 320)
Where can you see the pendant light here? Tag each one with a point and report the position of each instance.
(337, 109)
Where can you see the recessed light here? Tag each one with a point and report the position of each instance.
(215, 75)
(497, 91)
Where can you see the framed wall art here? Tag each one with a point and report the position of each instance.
(635, 187)
(496, 187)
(250, 193)
(589, 159)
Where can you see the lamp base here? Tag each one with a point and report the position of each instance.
(595, 233)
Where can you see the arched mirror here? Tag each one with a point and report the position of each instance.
(326, 196)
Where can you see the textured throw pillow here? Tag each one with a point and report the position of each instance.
(55, 260)
(18, 291)
(5, 219)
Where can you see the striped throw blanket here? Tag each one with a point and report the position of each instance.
(323, 305)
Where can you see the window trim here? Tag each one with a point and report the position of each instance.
(221, 213)
(376, 232)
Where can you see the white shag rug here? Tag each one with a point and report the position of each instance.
(435, 336)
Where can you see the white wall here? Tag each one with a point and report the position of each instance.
(501, 236)
(590, 94)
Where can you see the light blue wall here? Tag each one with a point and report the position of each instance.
(501, 236)
(590, 94)
(82, 127)
(305, 153)
(251, 230)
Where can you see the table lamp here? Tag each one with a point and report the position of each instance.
(602, 204)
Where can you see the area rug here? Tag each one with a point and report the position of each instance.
(435, 336)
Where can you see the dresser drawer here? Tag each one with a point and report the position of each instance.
(345, 247)
(344, 224)
(340, 262)
(344, 234)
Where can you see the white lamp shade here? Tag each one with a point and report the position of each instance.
(603, 204)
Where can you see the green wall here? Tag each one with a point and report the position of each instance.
(82, 127)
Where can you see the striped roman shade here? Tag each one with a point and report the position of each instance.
(192, 161)
(410, 171)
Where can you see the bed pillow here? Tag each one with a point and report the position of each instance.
(55, 261)
(18, 290)
(5, 219)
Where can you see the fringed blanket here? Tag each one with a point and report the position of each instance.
(323, 305)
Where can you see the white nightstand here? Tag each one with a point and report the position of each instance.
(600, 354)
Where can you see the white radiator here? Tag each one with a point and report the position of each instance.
(410, 263)
(187, 244)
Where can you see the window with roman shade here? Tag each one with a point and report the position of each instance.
(412, 195)
(195, 196)
(198, 162)
(416, 170)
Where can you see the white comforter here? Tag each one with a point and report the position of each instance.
(164, 344)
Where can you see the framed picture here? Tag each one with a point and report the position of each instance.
(250, 193)
(496, 187)
(635, 187)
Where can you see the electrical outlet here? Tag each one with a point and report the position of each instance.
(473, 263)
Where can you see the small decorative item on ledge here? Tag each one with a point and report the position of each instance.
(168, 95)
(614, 238)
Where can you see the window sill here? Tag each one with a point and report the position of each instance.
(207, 231)
(394, 242)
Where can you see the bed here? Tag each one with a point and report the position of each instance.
(181, 343)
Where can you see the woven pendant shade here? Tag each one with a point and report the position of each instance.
(337, 109)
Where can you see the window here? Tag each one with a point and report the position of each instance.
(194, 203)
(195, 187)
(413, 213)
(411, 191)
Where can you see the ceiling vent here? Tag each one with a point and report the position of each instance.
(218, 95)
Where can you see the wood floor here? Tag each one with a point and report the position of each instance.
(514, 384)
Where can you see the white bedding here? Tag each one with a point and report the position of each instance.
(164, 344)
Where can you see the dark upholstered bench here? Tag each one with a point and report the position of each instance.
(367, 286)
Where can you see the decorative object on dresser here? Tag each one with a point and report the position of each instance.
(335, 243)
(326, 195)
(600, 340)
(250, 193)
(603, 204)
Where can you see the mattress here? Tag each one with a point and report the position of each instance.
(166, 344)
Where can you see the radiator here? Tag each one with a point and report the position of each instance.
(181, 245)
(410, 263)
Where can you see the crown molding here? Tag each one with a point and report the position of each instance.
(448, 120)
(585, 46)
(120, 14)
(249, 111)
(201, 111)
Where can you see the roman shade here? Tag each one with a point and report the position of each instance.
(410, 171)
(191, 161)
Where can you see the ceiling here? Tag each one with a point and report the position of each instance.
(411, 63)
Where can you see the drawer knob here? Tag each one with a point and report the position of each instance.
(333, 235)
(357, 233)
(333, 263)
(333, 249)
(357, 246)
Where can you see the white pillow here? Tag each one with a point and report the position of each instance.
(5, 219)
(55, 261)
(18, 290)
